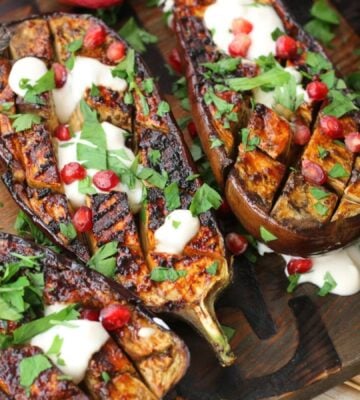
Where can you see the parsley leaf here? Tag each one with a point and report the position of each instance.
(223, 66)
(73, 47)
(44, 84)
(216, 142)
(105, 377)
(317, 62)
(276, 33)
(31, 367)
(55, 347)
(321, 209)
(204, 199)
(172, 196)
(148, 85)
(287, 96)
(293, 282)
(328, 286)
(338, 171)
(340, 104)
(324, 12)
(318, 193)
(162, 274)
(154, 156)
(125, 69)
(320, 30)
(249, 143)
(137, 37)
(323, 153)
(68, 230)
(228, 331)
(163, 108)
(266, 235)
(85, 186)
(212, 269)
(104, 260)
(22, 122)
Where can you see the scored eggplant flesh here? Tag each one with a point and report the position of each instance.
(112, 219)
(262, 184)
(161, 358)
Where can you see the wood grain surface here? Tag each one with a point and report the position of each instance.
(288, 346)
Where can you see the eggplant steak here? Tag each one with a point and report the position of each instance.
(288, 128)
(65, 324)
(95, 158)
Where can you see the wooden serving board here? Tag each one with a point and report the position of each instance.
(288, 346)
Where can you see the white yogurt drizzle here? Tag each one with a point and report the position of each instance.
(81, 339)
(115, 140)
(342, 264)
(179, 228)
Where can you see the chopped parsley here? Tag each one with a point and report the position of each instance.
(318, 193)
(204, 199)
(266, 235)
(223, 66)
(68, 230)
(212, 268)
(276, 33)
(85, 186)
(328, 286)
(148, 85)
(287, 95)
(172, 196)
(162, 274)
(293, 282)
(104, 260)
(137, 37)
(215, 142)
(323, 153)
(228, 331)
(163, 108)
(73, 47)
(44, 84)
(22, 122)
(175, 223)
(338, 171)
(154, 156)
(31, 367)
(321, 209)
(340, 104)
(105, 377)
(249, 143)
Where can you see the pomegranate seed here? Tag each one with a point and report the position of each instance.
(299, 265)
(331, 126)
(60, 75)
(82, 219)
(72, 172)
(352, 142)
(90, 314)
(317, 90)
(116, 51)
(175, 60)
(114, 316)
(224, 208)
(286, 47)
(105, 180)
(62, 133)
(302, 134)
(313, 173)
(241, 25)
(236, 243)
(94, 37)
(240, 45)
(192, 129)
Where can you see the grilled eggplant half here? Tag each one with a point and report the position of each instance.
(116, 150)
(287, 176)
(141, 359)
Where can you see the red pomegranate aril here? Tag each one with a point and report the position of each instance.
(286, 47)
(240, 45)
(317, 90)
(331, 126)
(60, 75)
(82, 219)
(62, 133)
(236, 243)
(302, 134)
(241, 25)
(105, 180)
(175, 60)
(352, 142)
(299, 265)
(116, 51)
(90, 314)
(94, 37)
(72, 172)
(192, 129)
(114, 316)
(313, 173)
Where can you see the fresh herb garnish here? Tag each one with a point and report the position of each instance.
(162, 274)
(212, 268)
(204, 199)
(163, 108)
(104, 260)
(31, 367)
(192, 177)
(85, 186)
(317, 62)
(223, 66)
(154, 156)
(321, 209)
(228, 331)
(328, 286)
(266, 235)
(6, 106)
(105, 377)
(148, 85)
(176, 224)
(216, 142)
(44, 84)
(73, 47)
(338, 171)
(249, 143)
(293, 282)
(172, 196)
(323, 153)
(94, 91)
(276, 33)
(68, 230)
(318, 193)
(22, 122)
(287, 95)
(125, 69)
(340, 104)
(137, 37)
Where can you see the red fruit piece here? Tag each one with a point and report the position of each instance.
(94, 37)
(317, 90)
(331, 126)
(299, 265)
(92, 3)
(62, 132)
(236, 243)
(175, 60)
(60, 75)
(241, 25)
(105, 180)
(302, 134)
(240, 45)
(82, 219)
(352, 142)
(192, 129)
(285, 47)
(114, 316)
(313, 173)
(72, 172)
(90, 314)
(116, 51)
